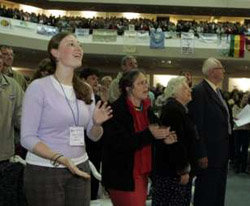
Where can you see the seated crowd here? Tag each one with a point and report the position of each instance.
(121, 24)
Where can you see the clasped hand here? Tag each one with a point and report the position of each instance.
(164, 133)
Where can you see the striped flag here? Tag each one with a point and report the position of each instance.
(237, 46)
(248, 43)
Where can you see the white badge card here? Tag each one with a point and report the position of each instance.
(76, 136)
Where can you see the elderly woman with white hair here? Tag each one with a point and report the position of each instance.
(172, 163)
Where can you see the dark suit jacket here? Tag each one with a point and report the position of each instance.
(211, 118)
(173, 159)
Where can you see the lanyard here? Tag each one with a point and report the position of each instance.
(76, 119)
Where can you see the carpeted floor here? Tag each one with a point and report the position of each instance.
(237, 194)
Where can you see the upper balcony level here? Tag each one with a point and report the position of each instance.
(191, 7)
(104, 48)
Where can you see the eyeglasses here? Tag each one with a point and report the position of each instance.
(7, 54)
(220, 68)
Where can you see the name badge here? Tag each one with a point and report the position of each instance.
(76, 136)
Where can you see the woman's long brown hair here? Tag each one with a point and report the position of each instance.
(82, 90)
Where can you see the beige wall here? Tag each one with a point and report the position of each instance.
(201, 3)
(173, 18)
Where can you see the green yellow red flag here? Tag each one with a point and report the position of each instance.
(237, 46)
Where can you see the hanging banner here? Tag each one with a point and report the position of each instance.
(131, 27)
(47, 30)
(248, 43)
(157, 39)
(208, 38)
(142, 36)
(223, 45)
(169, 34)
(187, 43)
(104, 35)
(81, 32)
(5, 23)
(129, 42)
(237, 46)
(23, 24)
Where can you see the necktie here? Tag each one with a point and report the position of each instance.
(225, 105)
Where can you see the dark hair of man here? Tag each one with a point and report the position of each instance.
(82, 90)
(86, 72)
(5, 47)
(128, 80)
(44, 66)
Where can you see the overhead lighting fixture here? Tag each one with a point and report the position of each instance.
(130, 15)
(89, 14)
(56, 13)
(30, 9)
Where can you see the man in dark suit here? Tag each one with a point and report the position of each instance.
(210, 114)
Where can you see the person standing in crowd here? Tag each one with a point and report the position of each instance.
(106, 81)
(172, 180)
(45, 68)
(211, 115)
(127, 139)
(242, 136)
(105, 84)
(8, 59)
(91, 76)
(188, 76)
(56, 111)
(127, 63)
(93, 148)
(11, 95)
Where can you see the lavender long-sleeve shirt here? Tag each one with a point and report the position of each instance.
(47, 117)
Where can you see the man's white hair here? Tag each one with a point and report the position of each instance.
(173, 85)
(210, 63)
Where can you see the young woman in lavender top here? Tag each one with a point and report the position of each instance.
(56, 111)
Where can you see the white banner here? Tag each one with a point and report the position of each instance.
(187, 43)
(46, 30)
(142, 36)
(223, 45)
(129, 41)
(129, 37)
(23, 24)
(81, 32)
(208, 38)
(131, 27)
(104, 35)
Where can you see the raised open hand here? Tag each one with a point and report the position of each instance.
(102, 113)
